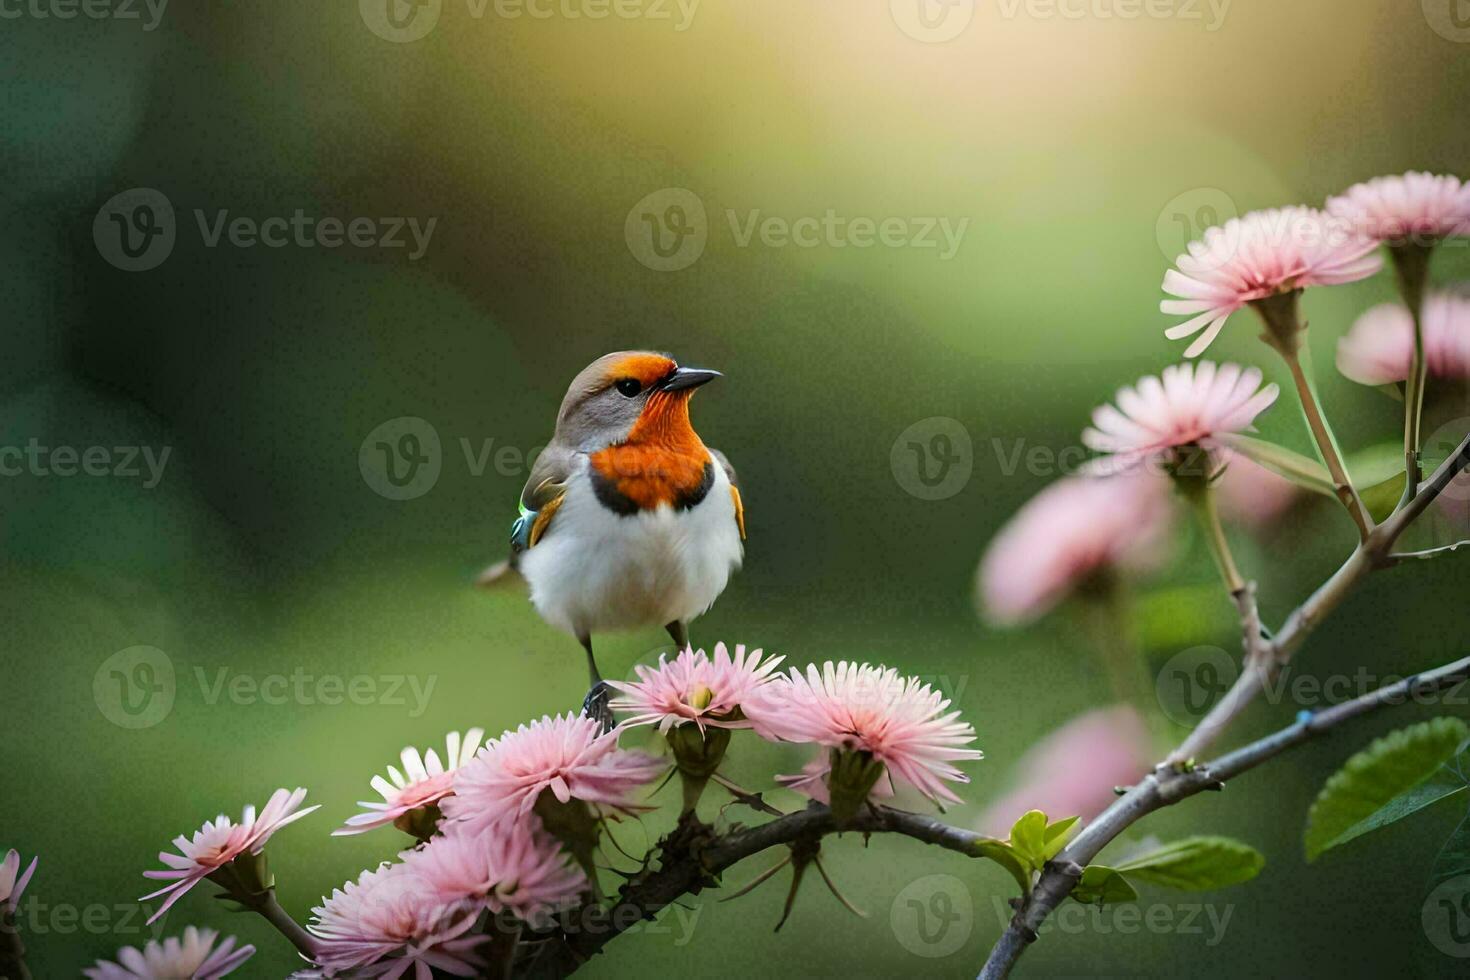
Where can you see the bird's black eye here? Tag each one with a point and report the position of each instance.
(628, 387)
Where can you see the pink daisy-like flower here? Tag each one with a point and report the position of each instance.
(1071, 532)
(1412, 207)
(13, 881)
(898, 721)
(506, 870)
(219, 842)
(695, 688)
(427, 781)
(1259, 255)
(389, 921)
(1380, 346)
(1072, 771)
(195, 957)
(569, 755)
(1190, 405)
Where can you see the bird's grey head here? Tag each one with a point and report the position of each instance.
(607, 398)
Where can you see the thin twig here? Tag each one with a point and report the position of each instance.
(1166, 786)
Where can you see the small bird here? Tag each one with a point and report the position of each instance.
(628, 519)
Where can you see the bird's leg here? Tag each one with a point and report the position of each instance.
(595, 705)
(680, 634)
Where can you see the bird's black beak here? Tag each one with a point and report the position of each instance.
(687, 377)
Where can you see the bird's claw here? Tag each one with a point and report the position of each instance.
(595, 705)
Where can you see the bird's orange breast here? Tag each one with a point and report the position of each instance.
(663, 460)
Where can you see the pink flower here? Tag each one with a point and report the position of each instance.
(219, 842)
(568, 755)
(1191, 405)
(1411, 207)
(195, 958)
(1251, 495)
(13, 881)
(1072, 771)
(506, 870)
(1258, 255)
(1070, 533)
(388, 921)
(898, 721)
(695, 688)
(427, 782)
(1380, 346)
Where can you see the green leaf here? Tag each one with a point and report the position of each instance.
(1028, 837)
(1378, 473)
(1007, 857)
(1057, 835)
(1372, 780)
(1101, 885)
(1453, 858)
(1376, 463)
(1442, 785)
(1301, 470)
(1197, 864)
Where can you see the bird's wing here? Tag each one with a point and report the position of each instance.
(540, 498)
(724, 462)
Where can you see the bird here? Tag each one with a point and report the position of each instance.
(627, 520)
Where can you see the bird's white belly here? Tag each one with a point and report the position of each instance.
(596, 570)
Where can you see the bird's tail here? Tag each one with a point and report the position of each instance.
(497, 575)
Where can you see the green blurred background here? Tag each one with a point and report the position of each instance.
(1072, 146)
